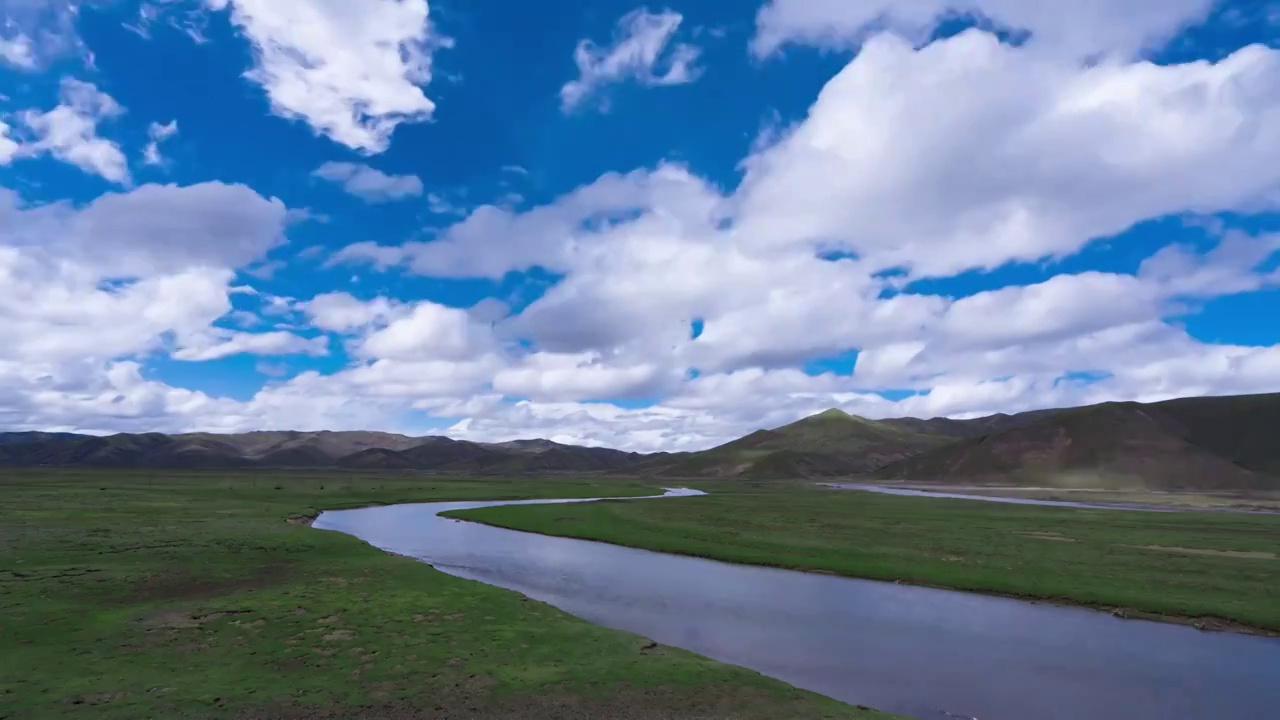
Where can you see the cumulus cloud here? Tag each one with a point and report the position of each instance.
(33, 33)
(1054, 154)
(127, 273)
(917, 162)
(641, 51)
(341, 312)
(581, 376)
(369, 184)
(157, 133)
(353, 71)
(151, 230)
(8, 147)
(17, 52)
(87, 293)
(69, 132)
(58, 314)
(380, 257)
(428, 332)
(1076, 29)
(966, 154)
(214, 345)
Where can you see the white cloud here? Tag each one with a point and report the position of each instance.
(57, 314)
(127, 273)
(482, 245)
(1077, 29)
(581, 376)
(428, 332)
(86, 293)
(151, 230)
(341, 312)
(158, 133)
(17, 52)
(641, 51)
(8, 148)
(380, 257)
(216, 345)
(717, 408)
(970, 153)
(34, 33)
(441, 205)
(69, 132)
(1231, 267)
(353, 70)
(189, 18)
(369, 184)
(964, 155)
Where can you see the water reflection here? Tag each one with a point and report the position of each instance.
(912, 650)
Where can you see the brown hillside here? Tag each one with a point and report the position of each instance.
(1113, 444)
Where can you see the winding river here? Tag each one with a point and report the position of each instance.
(918, 651)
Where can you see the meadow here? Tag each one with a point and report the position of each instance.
(207, 595)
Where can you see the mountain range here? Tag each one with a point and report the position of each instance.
(1223, 443)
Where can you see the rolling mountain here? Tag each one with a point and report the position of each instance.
(1218, 443)
(829, 444)
(15, 438)
(279, 449)
(1224, 443)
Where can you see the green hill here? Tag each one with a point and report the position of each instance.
(830, 444)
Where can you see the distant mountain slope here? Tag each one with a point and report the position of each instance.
(1224, 443)
(829, 444)
(16, 438)
(1244, 429)
(362, 450)
(284, 444)
(947, 427)
(1196, 443)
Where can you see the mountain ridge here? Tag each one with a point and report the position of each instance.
(1225, 442)
(304, 449)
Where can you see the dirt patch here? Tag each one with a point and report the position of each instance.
(1056, 537)
(184, 585)
(1246, 554)
(98, 698)
(339, 635)
(180, 619)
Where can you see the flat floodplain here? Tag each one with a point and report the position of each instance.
(205, 594)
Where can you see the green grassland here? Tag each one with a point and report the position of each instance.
(142, 595)
(1220, 570)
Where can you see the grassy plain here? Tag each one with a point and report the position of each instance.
(1218, 569)
(143, 595)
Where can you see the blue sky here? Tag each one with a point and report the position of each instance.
(644, 226)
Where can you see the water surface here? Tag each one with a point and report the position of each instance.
(916, 492)
(942, 492)
(900, 648)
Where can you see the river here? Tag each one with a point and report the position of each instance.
(923, 652)
(942, 491)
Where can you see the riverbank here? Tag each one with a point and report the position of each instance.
(1214, 571)
(128, 595)
(1241, 502)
